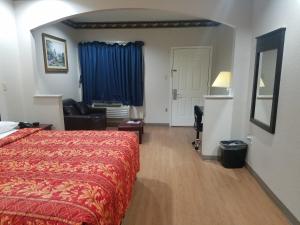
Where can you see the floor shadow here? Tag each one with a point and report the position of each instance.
(146, 137)
(155, 200)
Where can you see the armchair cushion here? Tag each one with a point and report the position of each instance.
(70, 110)
(82, 108)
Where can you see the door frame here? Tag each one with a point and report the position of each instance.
(171, 73)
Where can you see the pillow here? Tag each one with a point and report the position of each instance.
(70, 110)
(82, 108)
(6, 126)
(3, 135)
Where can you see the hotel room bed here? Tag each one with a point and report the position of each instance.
(67, 177)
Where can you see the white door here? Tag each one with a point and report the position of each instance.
(190, 80)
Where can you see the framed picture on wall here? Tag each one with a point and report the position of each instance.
(55, 54)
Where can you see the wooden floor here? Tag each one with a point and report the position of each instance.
(176, 187)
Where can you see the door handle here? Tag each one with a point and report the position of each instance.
(174, 94)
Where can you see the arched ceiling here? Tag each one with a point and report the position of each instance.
(131, 15)
(135, 18)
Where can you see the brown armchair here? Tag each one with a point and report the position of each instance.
(79, 116)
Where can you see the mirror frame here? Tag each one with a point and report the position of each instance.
(270, 41)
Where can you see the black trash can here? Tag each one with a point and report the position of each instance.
(233, 153)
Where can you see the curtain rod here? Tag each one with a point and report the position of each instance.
(114, 42)
(118, 42)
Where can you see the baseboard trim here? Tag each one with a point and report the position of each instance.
(209, 157)
(293, 220)
(157, 124)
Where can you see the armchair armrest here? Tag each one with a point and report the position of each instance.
(97, 110)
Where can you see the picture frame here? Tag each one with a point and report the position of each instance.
(55, 54)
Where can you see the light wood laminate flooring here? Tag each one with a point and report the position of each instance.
(176, 187)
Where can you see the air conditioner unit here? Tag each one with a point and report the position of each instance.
(115, 112)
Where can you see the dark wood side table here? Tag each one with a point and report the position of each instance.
(139, 127)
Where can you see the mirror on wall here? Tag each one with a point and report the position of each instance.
(269, 50)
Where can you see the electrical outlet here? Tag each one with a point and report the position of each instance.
(249, 139)
(4, 87)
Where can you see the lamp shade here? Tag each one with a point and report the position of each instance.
(261, 83)
(222, 80)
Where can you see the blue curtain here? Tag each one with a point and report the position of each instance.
(112, 72)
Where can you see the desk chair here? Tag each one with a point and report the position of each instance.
(198, 125)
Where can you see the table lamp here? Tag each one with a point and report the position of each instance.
(223, 80)
(261, 83)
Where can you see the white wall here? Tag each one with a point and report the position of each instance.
(276, 158)
(157, 50)
(66, 84)
(216, 123)
(222, 55)
(10, 89)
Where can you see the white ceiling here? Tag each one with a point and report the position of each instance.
(126, 15)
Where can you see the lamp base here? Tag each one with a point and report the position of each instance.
(229, 90)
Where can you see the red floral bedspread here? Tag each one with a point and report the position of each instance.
(66, 177)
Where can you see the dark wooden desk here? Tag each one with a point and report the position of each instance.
(139, 127)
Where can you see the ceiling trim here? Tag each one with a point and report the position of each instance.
(140, 24)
